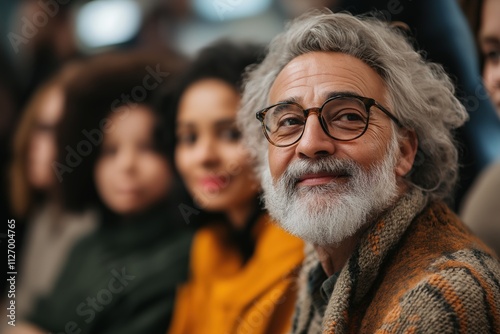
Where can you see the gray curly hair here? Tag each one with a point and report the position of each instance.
(420, 93)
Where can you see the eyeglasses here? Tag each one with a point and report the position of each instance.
(343, 117)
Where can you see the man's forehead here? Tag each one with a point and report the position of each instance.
(319, 74)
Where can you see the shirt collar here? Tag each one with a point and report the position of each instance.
(321, 287)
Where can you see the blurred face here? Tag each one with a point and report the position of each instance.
(43, 150)
(321, 189)
(130, 175)
(209, 154)
(489, 39)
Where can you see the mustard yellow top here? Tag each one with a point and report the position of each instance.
(226, 296)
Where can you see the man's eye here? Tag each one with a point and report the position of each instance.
(350, 117)
(347, 115)
(290, 121)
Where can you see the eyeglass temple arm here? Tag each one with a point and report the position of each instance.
(391, 116)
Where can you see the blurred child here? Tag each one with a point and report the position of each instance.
(242, 265)
(121, 278)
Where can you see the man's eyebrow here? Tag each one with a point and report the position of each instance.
(292, 99)
(295, 99)
(343, 92)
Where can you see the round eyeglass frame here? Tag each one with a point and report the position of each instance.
(367, 102)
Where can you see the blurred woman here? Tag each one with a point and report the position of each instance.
(489, 42)
(35, 193)
(480, 209)
(122, 277)
(242, 266)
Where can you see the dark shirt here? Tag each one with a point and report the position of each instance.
(321, 288)
(121, 278)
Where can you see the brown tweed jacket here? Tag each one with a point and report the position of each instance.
(414, 271)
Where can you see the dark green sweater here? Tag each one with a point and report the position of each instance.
(121, 278)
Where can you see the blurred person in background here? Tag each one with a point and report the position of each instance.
(242, 265)
(51, 231)
(489, 43)
(113, 155)
(160, 23)
(481, 207)
(41, 39)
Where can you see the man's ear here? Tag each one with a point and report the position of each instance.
(407, 150)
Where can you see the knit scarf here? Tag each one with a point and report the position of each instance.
(357, 276)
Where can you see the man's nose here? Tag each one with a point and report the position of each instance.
(315, 143)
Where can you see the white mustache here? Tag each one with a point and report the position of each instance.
(330, 165)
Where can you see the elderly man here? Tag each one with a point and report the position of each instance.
(358, 160)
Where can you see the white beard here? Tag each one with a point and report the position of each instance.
(328, 214)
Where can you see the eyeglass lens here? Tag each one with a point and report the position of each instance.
(344, 118)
